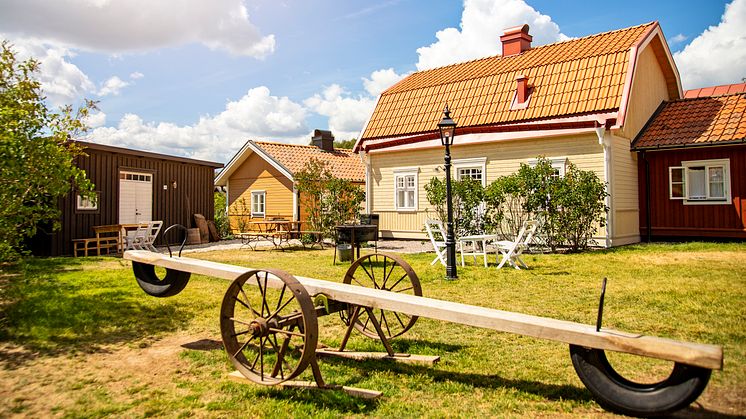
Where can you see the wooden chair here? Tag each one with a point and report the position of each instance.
(432, 227)
(511, 250)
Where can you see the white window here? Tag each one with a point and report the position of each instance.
(258, 200)
(87, 203)
(559, 164)
(700, 181)
(473, 168)
(405, 189)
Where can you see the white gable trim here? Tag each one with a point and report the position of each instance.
(246, 151)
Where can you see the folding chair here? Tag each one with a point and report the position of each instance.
(511, 250)
(432, 227)
(153, 228)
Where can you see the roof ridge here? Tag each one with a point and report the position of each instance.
(302, 145)
(689, 99)
(498, 56)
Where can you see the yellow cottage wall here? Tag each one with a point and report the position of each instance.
(255, 174)
(648, 91)
(503, 158)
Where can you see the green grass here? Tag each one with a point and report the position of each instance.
(59, 316)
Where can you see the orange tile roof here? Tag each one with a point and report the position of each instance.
(575, 77)
(697, 121)
(724, 89)
(344, 163)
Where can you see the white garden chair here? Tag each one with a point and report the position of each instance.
(145, 236)
(511, 250)
(433, 227)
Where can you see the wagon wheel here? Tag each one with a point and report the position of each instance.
(386, 272)
(168, 286)
(618, 394)
(269, 333)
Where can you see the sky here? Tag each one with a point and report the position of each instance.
(198, 78)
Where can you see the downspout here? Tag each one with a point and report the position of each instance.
(296, 205)
(366, 163)
(604, 139)
(648, 210)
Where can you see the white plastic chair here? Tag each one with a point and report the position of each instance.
(145, 236)
(433, 226)
(152, 230)
(511, 250)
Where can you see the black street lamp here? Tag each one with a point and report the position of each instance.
(447, 127)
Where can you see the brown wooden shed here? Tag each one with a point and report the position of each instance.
(692, 169)
(132, 186)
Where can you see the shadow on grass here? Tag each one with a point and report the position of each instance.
(58, 306)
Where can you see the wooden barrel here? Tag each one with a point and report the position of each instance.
(193, 236)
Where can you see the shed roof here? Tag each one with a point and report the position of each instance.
(576, 77)
(699, 121)
(149, 154)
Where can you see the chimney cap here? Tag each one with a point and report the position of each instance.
(516, 29)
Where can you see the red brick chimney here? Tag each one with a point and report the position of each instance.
(516, 40)
(521, 89)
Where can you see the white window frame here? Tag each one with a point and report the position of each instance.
(404, 173)
(85, 204)
(558, 163)
(263, 194)
(686, 167)
(474, 163)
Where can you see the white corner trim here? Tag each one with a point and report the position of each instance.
(242, 155)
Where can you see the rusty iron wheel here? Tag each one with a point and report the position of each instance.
(385, 272)
(269, 326)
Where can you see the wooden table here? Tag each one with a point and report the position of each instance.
(121, 231)
(276, 231)
(478, 246)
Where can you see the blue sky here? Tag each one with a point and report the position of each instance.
(188, 79)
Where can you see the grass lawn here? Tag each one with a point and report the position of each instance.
(78, 338)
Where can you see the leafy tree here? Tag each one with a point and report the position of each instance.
(468, 208)
(36, 154)
(329, 200)
(222, 224)
(345, 144)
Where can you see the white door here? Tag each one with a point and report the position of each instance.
(135, 197)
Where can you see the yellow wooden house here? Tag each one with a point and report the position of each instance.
(581, 101)
(259, 178)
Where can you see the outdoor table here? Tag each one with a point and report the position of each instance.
(277, 231)
(356, 233)
(120, 229)
(478, 246)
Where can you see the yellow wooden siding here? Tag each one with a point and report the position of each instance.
(255, 174)
(625, 192)
(503, 158)
(648, 90)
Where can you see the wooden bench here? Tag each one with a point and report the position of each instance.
(95, 243)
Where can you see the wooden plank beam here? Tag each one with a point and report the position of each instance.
(701, 355)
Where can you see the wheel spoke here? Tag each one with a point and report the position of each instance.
(399, 319)
(279, 309)
(385, 322)
(282, 294)
(286, 332)
(397, 282)
(371, 276)
(239, 321)
(261, 357)
(248, 305)
(405, 289)
(243, 346)
(240, 333)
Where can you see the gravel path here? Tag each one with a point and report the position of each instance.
(396, 246)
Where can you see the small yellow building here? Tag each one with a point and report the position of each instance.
(259, 178)
(579, 101)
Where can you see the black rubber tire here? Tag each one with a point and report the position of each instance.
(172, 284)
(618, 394)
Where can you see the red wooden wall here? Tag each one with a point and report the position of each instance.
(193, 195)
(672, 218)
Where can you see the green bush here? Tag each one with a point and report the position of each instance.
(468, 207)
(222, 224)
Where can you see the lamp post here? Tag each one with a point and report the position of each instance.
(447, 127)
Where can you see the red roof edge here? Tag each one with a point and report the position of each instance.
(723, 89)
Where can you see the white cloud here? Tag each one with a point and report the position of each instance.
(718, 55)
(137, 25)
(62, 82)
(482, 23)
(257, 114)
(677, 39)
(95, 120)
(346, 113)
(381, 80)
(136, 75)
(112, 86)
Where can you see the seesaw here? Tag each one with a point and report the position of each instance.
(269, 327)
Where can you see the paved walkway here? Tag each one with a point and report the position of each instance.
(396, 246)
